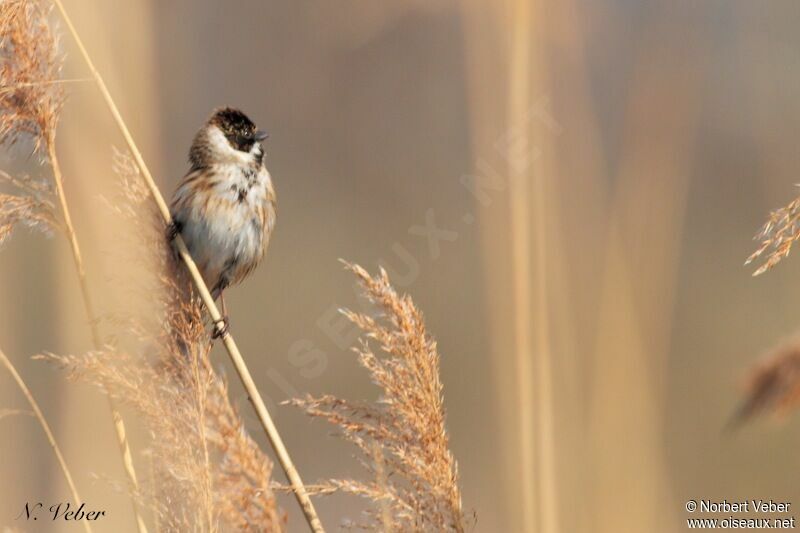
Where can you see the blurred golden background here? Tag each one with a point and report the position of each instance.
(567, 189)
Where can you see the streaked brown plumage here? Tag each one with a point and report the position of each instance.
(225, 206)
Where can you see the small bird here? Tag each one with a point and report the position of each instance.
(224, 208)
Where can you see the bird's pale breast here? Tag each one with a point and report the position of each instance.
(226, 214)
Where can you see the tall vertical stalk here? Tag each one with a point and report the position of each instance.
(230, 345)
(485, 31)
(529, 177)
(542, 176)
(638, 285)
(519, 190)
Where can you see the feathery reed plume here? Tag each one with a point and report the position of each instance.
(777, 236)
(37, 412)
(402, 438)
(31, 98)
(275, 440)
(208, 473)
(31, 205)
(29, 107)
(31, 95)
(772, 385)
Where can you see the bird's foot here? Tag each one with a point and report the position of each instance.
(173, 230)
(221, 328)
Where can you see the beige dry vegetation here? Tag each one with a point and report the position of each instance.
(30, 205)
(209, 473)
(31, 92)
(205, 471)
(402, 438)
(30, 103)
(31, 99)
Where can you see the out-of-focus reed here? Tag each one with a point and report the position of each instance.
(637, 282)
(772, 386)
(513, 153)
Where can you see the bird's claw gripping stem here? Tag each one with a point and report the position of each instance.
(173, 230)
(221, 327)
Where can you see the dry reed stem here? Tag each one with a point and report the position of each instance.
(485, 39)
(529, 43)
(382, 482)
(571, 160)
(402, 438)
(48, 433)
(243, 372)
(637, 283)
(30, 103)
(520, 198)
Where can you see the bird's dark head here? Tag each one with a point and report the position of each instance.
(228, 136)
(240, 131)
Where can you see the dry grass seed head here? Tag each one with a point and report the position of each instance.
(30, 205)
(777, 236)
(19, 210)
(31, 98)
(31, 95)
(402, 437)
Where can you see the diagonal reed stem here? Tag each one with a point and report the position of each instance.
(46, 427)
(69, 230)
(230, 345)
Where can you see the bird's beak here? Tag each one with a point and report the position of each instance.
(261, 135)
